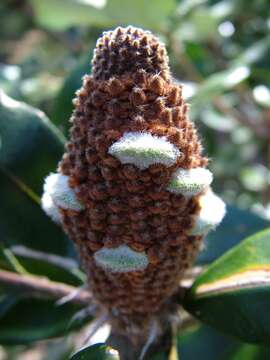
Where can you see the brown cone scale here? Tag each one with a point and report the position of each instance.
(130, 89)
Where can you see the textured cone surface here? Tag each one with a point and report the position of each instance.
(125, 205)
(127, 50)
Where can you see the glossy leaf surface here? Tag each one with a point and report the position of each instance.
(31, 146)
(201, 340)
(30, 320)
(233, 294)
(98, 352)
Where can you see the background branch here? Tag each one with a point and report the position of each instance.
(41, 287)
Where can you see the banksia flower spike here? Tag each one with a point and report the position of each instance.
(132, 188)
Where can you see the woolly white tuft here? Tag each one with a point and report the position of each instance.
(50, 208)
(56, 185)
(190, 182)
(121, 259)
(211, 214)
(144, 149)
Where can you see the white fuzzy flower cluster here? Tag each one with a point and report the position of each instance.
(121, 259)
(57, 193)
(212, 211)
(50, 208)
(143, 149)
(190, 182)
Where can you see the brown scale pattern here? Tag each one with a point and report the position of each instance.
(125, 205)
(127, 50)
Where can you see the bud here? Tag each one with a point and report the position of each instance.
(135, 175)
(50, 208)
(121, 259)
(143, 149)
(190, 182)
(211, 214)
(57, 188)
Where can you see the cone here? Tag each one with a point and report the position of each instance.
(130, 164)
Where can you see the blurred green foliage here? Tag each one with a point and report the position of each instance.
(219, 50)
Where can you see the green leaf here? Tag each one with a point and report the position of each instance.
(173, 354)
(216, 120)
(255, 52)
(186, 7)
(237, 225)
(233, 294)
(63, 106)
(6, 302)
(96, 352)
(150, 14)
(22, 221)
(218, 83)
(250, 352)
(31, 146)
(54, 267)
(199, 21)
(30, 320)
(62, 14)
(203, 341)
(238, 71)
